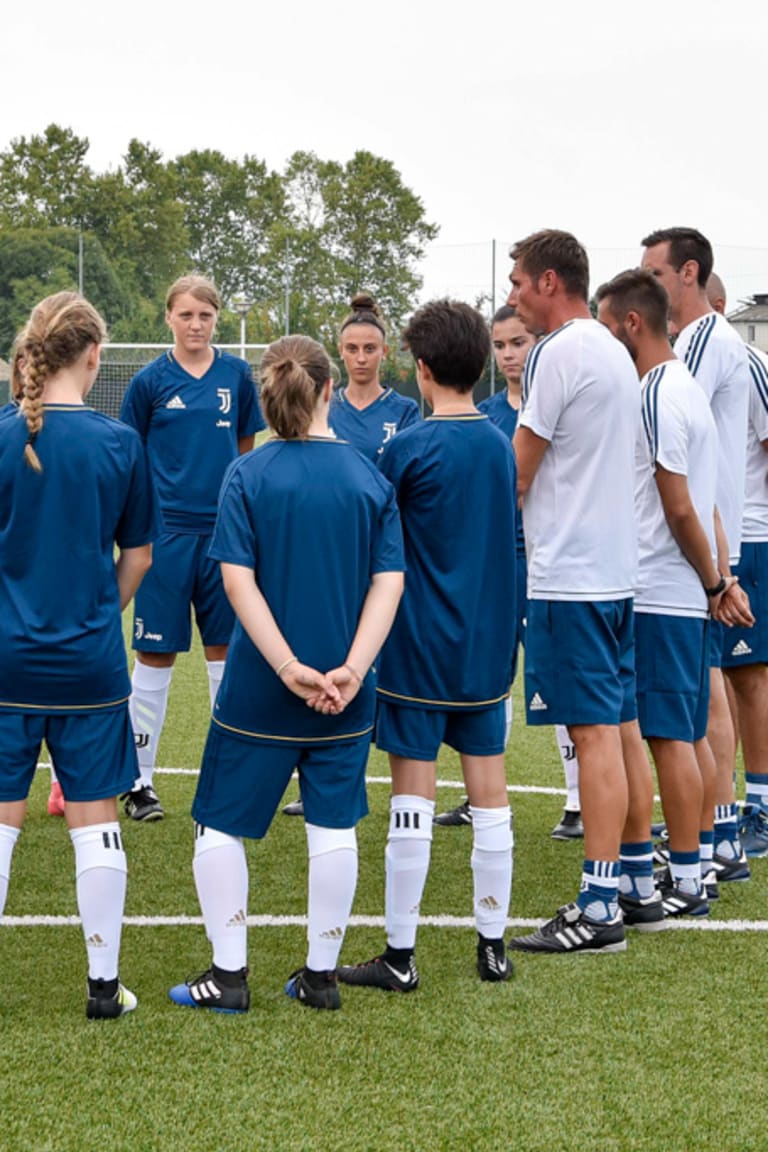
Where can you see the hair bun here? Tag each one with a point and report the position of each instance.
(364, 302)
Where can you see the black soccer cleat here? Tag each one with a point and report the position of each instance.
(646, 914)
(456, 818)
(108, 999)
(493, 964)
(142, 804)
(571, 931)
(569, 827)
(379, 973)
(314, 989)
(216, 989)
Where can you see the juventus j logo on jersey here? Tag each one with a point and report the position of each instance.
(389, 431)
(225, 399)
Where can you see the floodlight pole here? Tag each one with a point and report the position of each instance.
(242, 305)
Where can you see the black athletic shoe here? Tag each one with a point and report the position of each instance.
(569, 828)
(493, 964)
(735, 869)
(378, 973)
(142, 804)
(709, 885)
(107, 999)
(571, 931)
(220, 991)
(676, 903)
(314, 989)
(295, 808)
(454, 818)
(646, 915)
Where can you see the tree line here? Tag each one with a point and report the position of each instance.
(292, 246)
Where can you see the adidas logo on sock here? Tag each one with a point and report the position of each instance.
(741, 649)
(95, 941)
(537, 704)
(237, 920)
(176, 402)
(332, 934)
(489, 902)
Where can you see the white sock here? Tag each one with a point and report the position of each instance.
(215, 673)
(54, 777)
(332, 883)
(221, 878)
(8, 838)
(567, 750)
(491, 869)
(508, 718)
(407, 862)
(147, 706)
(102, 872)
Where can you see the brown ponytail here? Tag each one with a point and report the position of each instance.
(293, 371)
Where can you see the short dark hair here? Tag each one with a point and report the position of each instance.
(559, 252)
(684, 244)
(637, 290)
(453, 341)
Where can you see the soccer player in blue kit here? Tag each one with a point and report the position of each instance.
(445, 670)
(308, 535)
(365, 412)
(511, 344)
(74, 485)
(196, 408)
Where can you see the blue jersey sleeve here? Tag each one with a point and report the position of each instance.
(140, 522)
(388, 551)
(234, 536)
(136, 408)
(411, 414)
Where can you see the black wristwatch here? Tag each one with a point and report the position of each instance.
(718, 588)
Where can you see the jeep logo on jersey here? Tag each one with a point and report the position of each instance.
(389, 431)
(225, 397)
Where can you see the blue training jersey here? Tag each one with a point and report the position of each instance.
(368, 429)
(61, 631)
(453, 642)
(498, 409)
(314, 521)
(191, 428)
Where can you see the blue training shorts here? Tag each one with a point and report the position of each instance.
(744, 646)
(672, 656)
(182, 574)
(242, 782)
(580, 662)
(417, 733)
(93, 752)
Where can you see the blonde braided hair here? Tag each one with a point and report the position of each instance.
(58, 331)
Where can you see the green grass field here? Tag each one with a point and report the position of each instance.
(651, 1050)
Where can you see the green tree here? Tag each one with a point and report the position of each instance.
(37, 262)
(44, 180)
(231, 210)
(136, 214)
(353, 226)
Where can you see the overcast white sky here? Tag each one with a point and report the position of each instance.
(604, 118)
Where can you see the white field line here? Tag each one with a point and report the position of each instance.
(360, 922)
(457, 784)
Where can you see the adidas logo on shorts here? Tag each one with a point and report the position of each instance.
(741, 649)
(537, 704)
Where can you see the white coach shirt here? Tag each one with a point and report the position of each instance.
(581, 393)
